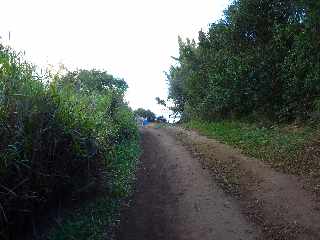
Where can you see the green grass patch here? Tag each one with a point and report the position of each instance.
(281, 146)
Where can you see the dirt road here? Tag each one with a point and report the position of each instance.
(191, 187)
(176, 198)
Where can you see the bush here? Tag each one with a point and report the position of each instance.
(262, 58)
(56, 137)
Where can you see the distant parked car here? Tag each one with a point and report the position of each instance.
(161, 119)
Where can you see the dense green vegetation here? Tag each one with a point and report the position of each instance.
(89, 220)
(63, 137)
(252, 80)
(261, 60)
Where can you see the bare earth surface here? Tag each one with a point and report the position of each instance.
(178, 195)
(176, 198)
(276, 202)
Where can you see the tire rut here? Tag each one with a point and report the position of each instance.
(175, 198)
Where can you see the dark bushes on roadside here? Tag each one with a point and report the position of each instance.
(55, 137)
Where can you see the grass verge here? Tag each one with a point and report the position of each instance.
(283, 147)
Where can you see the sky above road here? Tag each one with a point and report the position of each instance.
(130, 39)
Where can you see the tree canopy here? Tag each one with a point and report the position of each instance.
(262, 58)
(140, 112)
(95, 80)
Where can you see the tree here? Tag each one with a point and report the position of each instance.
(261, 59)
(140, 112)
(95, 80)
(161, 102)
(161, 119)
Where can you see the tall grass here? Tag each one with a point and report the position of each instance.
(58, 139)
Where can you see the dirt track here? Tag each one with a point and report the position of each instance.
(179, 194)
(176, 198)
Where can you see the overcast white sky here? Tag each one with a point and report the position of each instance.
(130, 39)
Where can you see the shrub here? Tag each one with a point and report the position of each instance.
(262, 58)
(56, 137)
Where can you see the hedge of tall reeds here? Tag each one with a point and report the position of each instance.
(58, 134)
